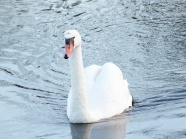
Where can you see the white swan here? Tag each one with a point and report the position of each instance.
(97, 92)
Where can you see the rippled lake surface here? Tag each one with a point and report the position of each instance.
(145, 38)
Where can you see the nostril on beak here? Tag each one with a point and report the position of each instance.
(66, 57)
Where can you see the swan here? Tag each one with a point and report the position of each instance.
(97, 92)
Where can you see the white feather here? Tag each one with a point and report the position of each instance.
(97, 92)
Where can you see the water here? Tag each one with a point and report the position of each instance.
(145, 38)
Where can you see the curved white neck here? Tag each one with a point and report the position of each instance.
(78, 104)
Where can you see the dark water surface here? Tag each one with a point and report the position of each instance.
(145, 38)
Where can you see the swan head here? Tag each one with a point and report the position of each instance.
(72, 40)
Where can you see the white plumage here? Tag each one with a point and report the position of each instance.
(97, 92)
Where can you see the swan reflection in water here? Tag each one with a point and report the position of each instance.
(111, 129)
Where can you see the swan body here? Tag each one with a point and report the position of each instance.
(97, 92)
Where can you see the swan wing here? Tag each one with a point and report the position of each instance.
(108, 92)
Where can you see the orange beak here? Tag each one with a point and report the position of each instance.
(68, 49)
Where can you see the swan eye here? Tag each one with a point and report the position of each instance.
(67, 41)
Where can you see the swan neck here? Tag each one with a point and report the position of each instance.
(78, 103)
(76, 68)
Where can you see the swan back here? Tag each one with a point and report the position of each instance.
(108, 92)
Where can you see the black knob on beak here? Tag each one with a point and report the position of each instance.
(66, 57)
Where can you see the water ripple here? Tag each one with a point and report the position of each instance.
(146, 39)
